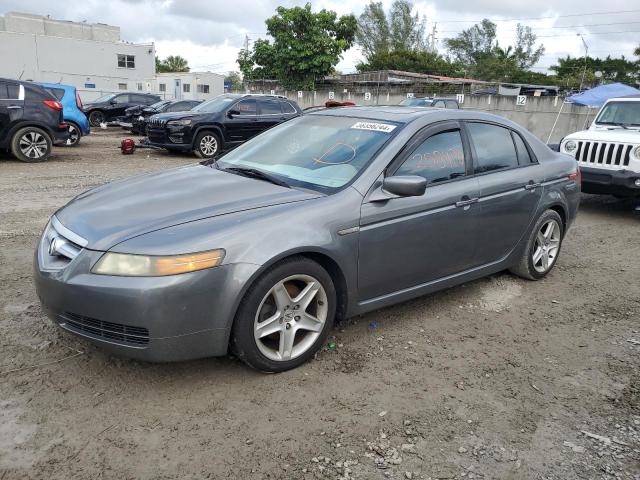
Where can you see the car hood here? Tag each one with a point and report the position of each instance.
(617, 135)
(119, 211)
(176, 115)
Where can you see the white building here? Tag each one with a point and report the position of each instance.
(89, 56)
(189, 85)
(93, 58)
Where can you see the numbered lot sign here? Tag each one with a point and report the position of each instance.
(521, 100)
(332, 95)
(273, 92)
(299, 93)
(367, 96)
(460, 98)
(410, 95)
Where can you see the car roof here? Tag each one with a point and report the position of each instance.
(626, 98)
(401, 114)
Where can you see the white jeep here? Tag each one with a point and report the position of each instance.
(608, 153)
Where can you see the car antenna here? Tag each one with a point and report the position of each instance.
(21, 73)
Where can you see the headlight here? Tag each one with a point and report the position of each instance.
(570, 146)
(128, 265)
(176, 123)
(636, 152)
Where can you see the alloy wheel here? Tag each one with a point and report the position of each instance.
(33, 145)
(546, 246)
(208, 145)
(74, 135)
(290, 318)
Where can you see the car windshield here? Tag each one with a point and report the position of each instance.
(416, 102)
(160, 104)
(104, 98)
(620, 113)
(216, 104)
(319, 152)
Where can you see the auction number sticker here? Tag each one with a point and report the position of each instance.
(374, 127)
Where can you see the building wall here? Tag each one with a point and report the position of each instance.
(174, 85)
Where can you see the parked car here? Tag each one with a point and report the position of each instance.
(31, 120)
(329, 215)
(135, 118)
(74, 117)
(435, 102)
(111, 106)
(608, 152)
(219, 124)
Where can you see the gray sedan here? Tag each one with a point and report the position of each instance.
(323, 217)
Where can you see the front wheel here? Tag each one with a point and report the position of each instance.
(543, 247)
(31, 144)
(207, 145)
(285, 317)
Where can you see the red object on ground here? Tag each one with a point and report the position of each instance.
(128, 146)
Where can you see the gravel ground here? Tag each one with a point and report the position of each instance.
(499, 378)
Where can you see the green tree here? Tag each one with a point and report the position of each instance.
(478, 51)
(399, 30)
(306, 46)
(235, 79)
(172, 64)
(410, 61)
(569, 70)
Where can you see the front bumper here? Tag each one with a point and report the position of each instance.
(610, 182)
(157, 319)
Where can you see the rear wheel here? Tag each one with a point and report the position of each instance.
(543, 247)
(207, 145)
(285, 317)
(74, 135)
(96, 118)
(31, 144)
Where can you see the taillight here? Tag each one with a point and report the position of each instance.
(53, 104)
(78, 101)
(575, 175)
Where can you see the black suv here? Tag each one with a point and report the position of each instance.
(30, 120)
(135, 118)
(110, 107)
(219, 124)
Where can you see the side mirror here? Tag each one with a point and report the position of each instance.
(405, 185)
(112, 102)
(232, 112)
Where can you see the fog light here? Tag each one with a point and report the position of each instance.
(637, 182)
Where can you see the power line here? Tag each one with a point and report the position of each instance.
(614, 12)
(567, 26)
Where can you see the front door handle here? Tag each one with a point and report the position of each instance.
(532, 186)
(465, 202)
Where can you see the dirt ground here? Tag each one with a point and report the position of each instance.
(499, 378)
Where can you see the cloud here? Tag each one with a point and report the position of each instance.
(210, 32)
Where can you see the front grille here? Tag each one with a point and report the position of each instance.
(603, 154)
(116, 332)
(156, 123)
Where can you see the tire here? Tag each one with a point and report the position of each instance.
(542, 248)
(31, 144)
(75, 134)
(96, 118)
(273, 311)
(207, 144)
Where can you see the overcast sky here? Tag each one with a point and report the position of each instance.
(210, 32)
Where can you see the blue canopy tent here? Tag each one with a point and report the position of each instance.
(595, 97)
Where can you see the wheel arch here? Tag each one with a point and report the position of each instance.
(215, 128)
(323, 258)
(25, 124)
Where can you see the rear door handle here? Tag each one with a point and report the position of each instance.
(532, 186)
(14, 107)
(466, 202)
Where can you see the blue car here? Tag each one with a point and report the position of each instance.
(72, 110)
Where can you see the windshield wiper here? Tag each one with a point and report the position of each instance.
(623, 125)
(259, 174)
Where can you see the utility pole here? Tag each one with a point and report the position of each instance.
(432, 42)
(246, 42)
(586, 52)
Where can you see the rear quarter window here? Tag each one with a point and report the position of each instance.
(493, 146)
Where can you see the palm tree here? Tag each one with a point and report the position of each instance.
(172, 64)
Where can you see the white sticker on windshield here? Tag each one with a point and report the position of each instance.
(375, 127)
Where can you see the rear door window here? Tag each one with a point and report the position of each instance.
(439, 158)
(270, 107)
(439, 104)
(287, 107)
(451, 104)
(493, 146)
(9, 91)
(121, 98)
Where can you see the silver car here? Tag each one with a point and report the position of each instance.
(326, 216)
